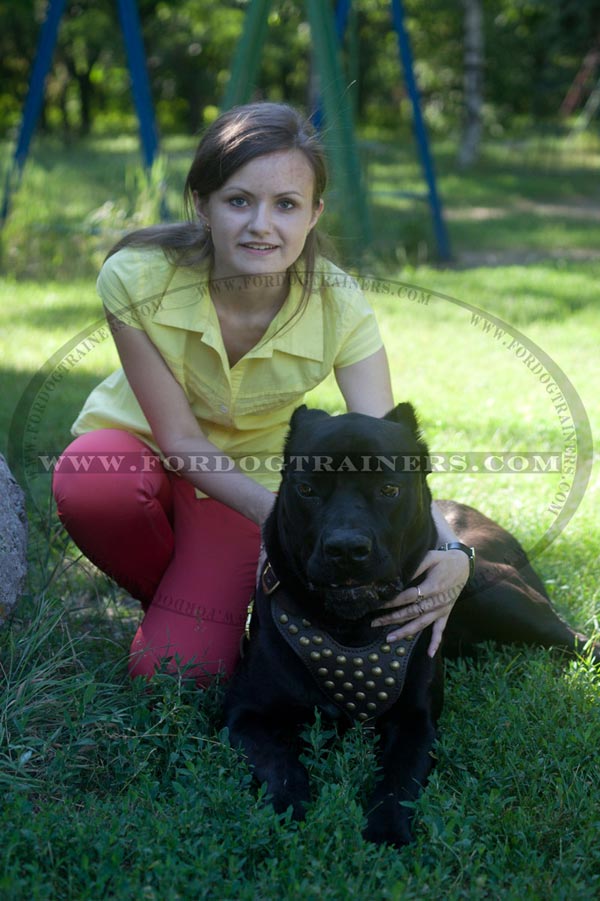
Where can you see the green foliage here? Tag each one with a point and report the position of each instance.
(122, 789)
(82, 205)
(73, 223)
(533, 51)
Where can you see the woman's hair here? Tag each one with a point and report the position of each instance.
(235, 138)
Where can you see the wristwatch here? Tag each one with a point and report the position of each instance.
(459, 546)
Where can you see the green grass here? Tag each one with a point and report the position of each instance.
(524, 198)
(110, 790)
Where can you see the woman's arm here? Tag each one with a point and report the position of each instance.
(366, 388)
(175, 427)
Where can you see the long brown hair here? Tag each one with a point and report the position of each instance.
(235, 138)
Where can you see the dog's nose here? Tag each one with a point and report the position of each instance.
(342, 546)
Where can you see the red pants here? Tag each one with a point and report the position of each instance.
(191, 562)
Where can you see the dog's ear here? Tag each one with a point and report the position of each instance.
(404, 414)
(303, 416)
(301, 422)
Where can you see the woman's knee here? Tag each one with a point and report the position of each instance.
(115, 500)
(107, 472)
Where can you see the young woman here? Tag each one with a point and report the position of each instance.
(222, 324)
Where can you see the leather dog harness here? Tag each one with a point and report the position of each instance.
(363, 682)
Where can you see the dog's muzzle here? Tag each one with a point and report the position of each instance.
(353, 601)
(347, 547)
(342, 571)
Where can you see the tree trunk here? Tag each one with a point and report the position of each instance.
(84, 84)
(473, 83)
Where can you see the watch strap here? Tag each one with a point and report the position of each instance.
(459, 546)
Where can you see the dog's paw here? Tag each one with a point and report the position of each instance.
(294, 810)
(293, 792)
(387, 834)
(389, 824)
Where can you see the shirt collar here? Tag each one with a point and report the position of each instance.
(186, 304)
(185, 301)
(300, 334)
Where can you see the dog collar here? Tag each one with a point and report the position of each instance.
(363, 682)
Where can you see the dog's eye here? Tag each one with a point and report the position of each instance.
(305, 490)
(390, 490)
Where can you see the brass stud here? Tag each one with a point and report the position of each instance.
(371, 706)
(382, 695)
(339, 673)
(315, 655)
(370, 684)
(377, 671)
(363, 716)
(351, 706)
(390, 680)
(322, 671)
(373, 657)
(327, 652)
(401, 651)
(386, 648)
(329, 684)
(341, 659)
(306, 623)
(395, 664)
(357, 661)
(293, 629)
(360, 696)
(347, 686)
(304, 640)
(338, 696)
(317, 639)
(283, 618)
(358, 674)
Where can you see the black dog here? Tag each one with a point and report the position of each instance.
(350, 525)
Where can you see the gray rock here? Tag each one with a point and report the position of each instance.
(13, 541)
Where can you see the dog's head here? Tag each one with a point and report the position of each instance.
(353, 516)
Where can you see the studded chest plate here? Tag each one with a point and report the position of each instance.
(363, 682)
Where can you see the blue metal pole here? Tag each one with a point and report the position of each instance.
(140, 84)
(34, 100)
(342, 11)
(439, 226)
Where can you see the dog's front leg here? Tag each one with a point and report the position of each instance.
(272, 759)
(405, 760)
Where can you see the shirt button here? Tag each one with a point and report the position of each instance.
(223, 408)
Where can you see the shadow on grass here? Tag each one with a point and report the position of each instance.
(68, 315)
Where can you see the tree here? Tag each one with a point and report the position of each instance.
(473, 82)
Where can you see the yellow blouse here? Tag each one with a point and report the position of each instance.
(243, 409)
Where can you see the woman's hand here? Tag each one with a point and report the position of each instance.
(431, 601)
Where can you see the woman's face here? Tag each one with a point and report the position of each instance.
(260, 217)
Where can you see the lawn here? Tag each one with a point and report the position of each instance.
(109, 790)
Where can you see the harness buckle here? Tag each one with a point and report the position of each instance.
(270, 582)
